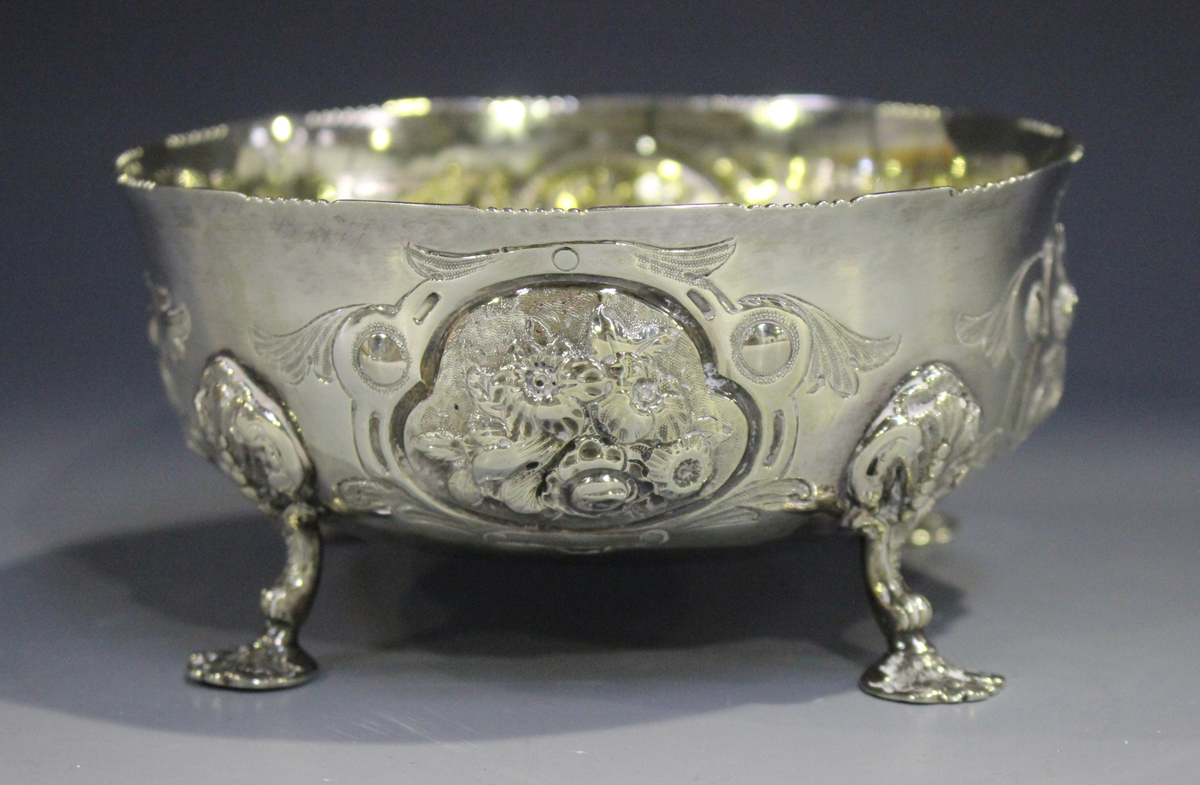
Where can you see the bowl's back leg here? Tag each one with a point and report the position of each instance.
(915, 452)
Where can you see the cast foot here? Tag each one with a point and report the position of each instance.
(273, 662)
(914, 672)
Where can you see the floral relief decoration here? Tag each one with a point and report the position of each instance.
(585, 408)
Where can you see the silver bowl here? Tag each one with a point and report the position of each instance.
(590, 325)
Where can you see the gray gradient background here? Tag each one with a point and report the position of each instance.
(119, 551)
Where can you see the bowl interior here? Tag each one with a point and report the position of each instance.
(545, 153)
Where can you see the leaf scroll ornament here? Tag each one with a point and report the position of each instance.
(689, 265)
(442, 266)
(839, 354)
(748, 504)
(1027, 326)
(308, 348)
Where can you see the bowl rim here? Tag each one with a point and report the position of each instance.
(1063, 149)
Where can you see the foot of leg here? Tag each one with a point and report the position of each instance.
(919, 447)
(913, 672)
(273, 661)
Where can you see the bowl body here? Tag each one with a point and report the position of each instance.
(670, 375)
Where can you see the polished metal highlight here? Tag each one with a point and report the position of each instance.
(593, 325)
(915, 452)
(249, 436)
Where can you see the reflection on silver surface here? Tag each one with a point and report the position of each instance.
(918, 449)
(707, 370)
(565, 153)
(250, 437)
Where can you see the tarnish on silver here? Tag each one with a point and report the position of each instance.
(915, 452)
(1028, 329)
(169, 327)
(250, 437)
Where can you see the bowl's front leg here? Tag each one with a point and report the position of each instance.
(916, 451)
(250, 436)
(275, 660)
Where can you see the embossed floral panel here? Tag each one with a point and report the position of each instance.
(574, 407)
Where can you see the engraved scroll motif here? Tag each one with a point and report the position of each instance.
(623, 424)
(440, 266)
(1028, 327)
(838, 353)
(585, 408)
(311, 347)
(385, 498)
(249, 436)
(169, 327)
(748, 504)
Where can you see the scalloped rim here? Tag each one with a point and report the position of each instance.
(217, 132)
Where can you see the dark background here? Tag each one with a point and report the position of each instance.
(83, 81)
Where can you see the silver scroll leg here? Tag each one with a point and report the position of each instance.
(915, 452)
(275, 660)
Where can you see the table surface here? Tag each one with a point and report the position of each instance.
(1073, 574)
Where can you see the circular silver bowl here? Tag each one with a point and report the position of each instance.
(589, 325)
